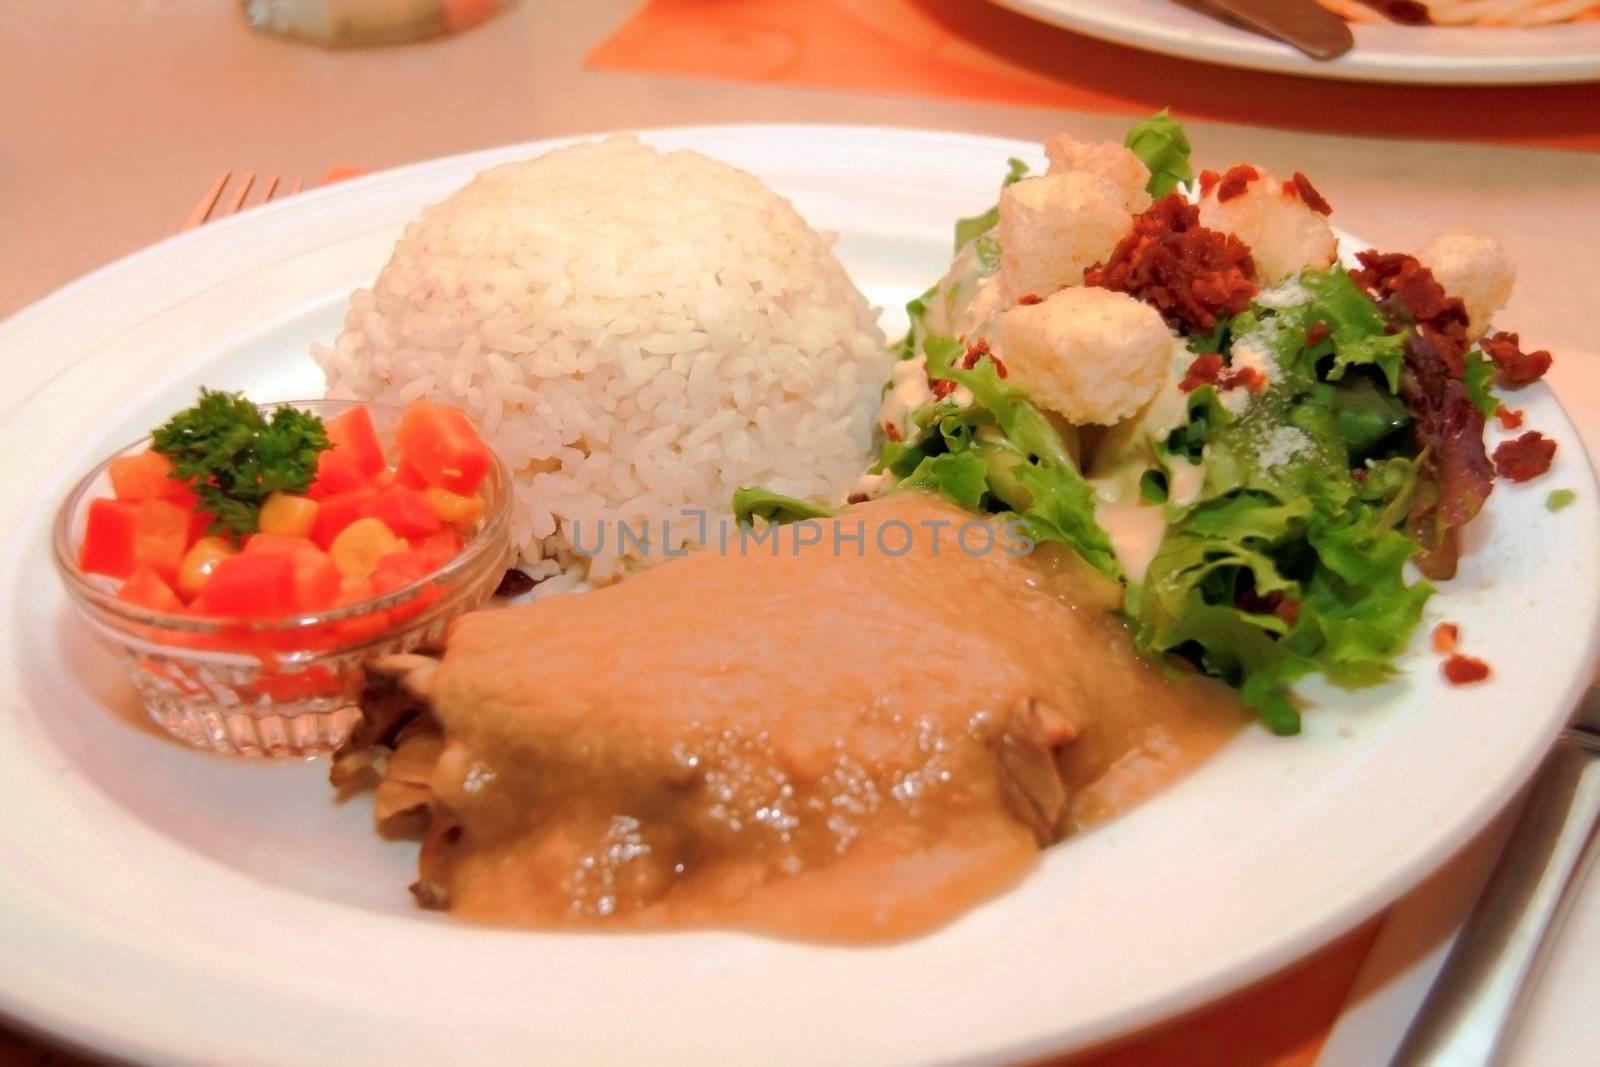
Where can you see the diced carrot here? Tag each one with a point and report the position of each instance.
(353, 433)
(439, 548)
(404, 510)
(441, 443)
(198, 563)
(251, 585)
(337, 512)
(288, 513)
(360, 545)
(108, 539)
(279, 544)
(316, 580)
(163, 537)
(143, 476)
(337, 472)
(146, 588)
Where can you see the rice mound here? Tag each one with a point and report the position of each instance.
(636, 333)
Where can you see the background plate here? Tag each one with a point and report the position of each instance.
(162, 904)
(1384, 52)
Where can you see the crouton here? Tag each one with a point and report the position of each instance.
(1089, 355)
(1053, 227)
(1284, 233)
(1475, 267)
(1105, 158)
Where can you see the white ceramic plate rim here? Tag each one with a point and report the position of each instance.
(1441, 55)
(999, 985)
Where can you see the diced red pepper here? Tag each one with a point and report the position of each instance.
(399, 569)
(337, 512)
(404, 510)
(279, 543)
(406, 474)
(439, 548)
(163, 536)
(354, 435)
(108, 539)
(337, 472)
(442, 444)
(251, 585)
(146, 588)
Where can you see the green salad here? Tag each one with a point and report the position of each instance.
(1312, 437)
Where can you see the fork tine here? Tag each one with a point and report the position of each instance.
(266, 194)
(202, 208)
(244, 190)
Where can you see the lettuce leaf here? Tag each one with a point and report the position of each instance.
(971, 229)
(1161, 143)
(750, 503)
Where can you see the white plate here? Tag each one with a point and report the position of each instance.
(161, 904)
(1384, 52)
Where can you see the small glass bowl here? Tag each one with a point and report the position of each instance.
(286, 687)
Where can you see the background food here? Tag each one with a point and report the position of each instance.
(635, 333)
(1466, 12)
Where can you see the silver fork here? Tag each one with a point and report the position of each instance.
(214, 205)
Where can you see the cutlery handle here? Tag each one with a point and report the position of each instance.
(1467, 1012)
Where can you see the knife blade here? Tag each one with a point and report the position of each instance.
(1306, 24)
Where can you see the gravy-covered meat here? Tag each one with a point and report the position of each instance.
(836, 739)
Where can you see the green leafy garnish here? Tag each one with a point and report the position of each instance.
(1559, 498)
(972, 228)
(753, 503)
(234, 457)
(1479, 380)
(1161, 143)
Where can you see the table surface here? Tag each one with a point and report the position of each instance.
(122, 112)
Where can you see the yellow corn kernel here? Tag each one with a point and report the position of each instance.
(289, 515)
(198, 563)
(453, 507)
(359, 547)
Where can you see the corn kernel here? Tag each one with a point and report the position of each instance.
(453, 507)
(198, 563)
(360, 545)
(289, 515)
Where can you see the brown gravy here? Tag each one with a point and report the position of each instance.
(841, 745)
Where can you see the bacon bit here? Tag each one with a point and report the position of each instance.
(1464, 670)
(941, 388)
(1285, 608)
(1360, 475)
(1205, 370)
(1456, 475)
(857, 498)
(1184, 270)
(1236, 181)
(1308, 192)
(891, 431)
(1525, 457)
(1208, 181)
(1317, 332)
(1445, 636)
(1031, 298)
(1517, 368)
(1509, 419)
(1248, 377)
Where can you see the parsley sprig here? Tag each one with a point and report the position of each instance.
(234, 457)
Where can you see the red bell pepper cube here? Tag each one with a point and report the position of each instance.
(444, 447)
(279, 543)
(408, 475)
(251, 585)
(316, 580)
(439, 548)
(404, 510)
(109, 537)
(337, 472)
(337, 512)
(356, 438)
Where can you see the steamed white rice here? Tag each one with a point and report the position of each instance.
(636, 333)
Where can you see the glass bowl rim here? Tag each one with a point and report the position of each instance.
(497, 520)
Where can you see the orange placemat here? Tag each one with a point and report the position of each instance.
(972, 50)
